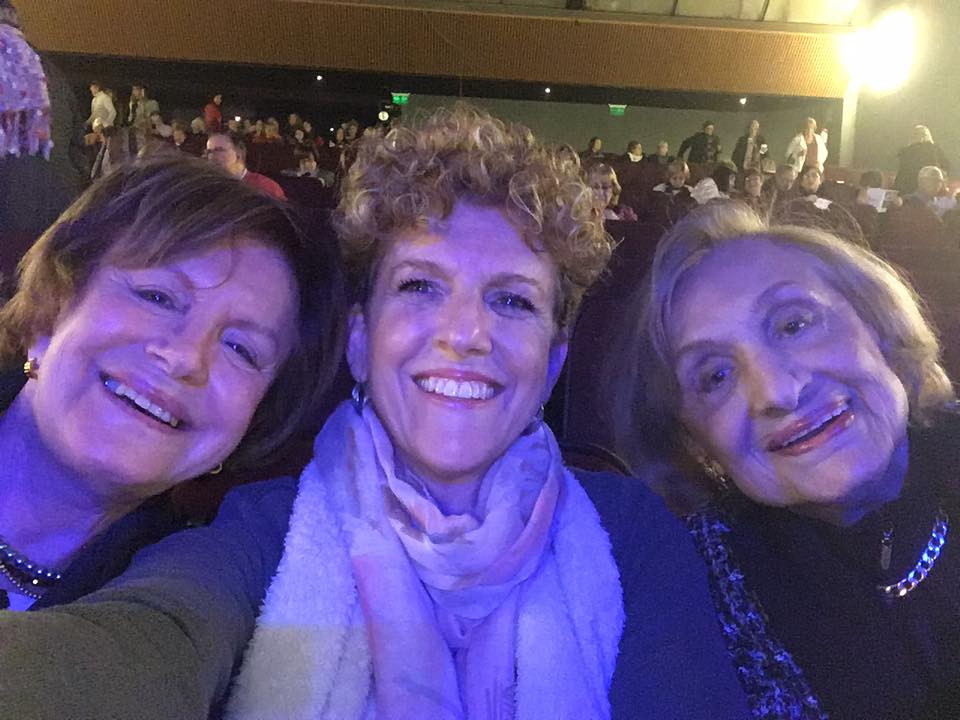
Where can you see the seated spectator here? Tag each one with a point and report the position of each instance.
(294, 123)
(271, 131)
(921, 152)
(752, 193)
(781, 185)
(677, 175)
(725, 176)
(159, 128)
(662, 156)
(602, 179)
(707, 190)
(234, 126)
(671, 200)
(634, 152)
(178, 136)
(134, 384)
(231, 154)
(258, 132)
(594, 151)
(932, 191)
(808, 185)
(307, 167)
(796, 384)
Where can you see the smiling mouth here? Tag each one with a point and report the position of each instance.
(456, 389)
(812, 435)
(139, 402)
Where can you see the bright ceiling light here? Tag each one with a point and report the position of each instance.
(547, 90)
(743, 101)
(880, 56)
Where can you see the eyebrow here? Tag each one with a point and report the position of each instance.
(437, 269)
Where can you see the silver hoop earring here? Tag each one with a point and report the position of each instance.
(359, 397)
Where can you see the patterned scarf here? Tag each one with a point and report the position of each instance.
(383, 607)
(24, 102)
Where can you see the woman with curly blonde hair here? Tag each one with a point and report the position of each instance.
(440, 561)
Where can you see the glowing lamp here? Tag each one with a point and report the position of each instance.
(880, 56)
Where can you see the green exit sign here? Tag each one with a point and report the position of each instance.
(401, 98)
(617, 110)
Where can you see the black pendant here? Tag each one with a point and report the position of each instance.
(4, 600)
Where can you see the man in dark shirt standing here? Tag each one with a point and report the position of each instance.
(704, 146)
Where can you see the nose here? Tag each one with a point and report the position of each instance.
(183, 351)
(463, 327)
(773, 383)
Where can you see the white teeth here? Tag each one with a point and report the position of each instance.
(467, 390)
(823, 421)
(121, 390)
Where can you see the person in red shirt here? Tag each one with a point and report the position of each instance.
(212, 117)
(231, 154)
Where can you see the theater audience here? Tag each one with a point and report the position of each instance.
(440, 561)
(231, 154)
(167, 321)
(212, 115)
(670, 200)
(634, 152)
(808, 148)
(920, 153)
(602, 180)
(307, 167)
(753, 194)
(805, 405)
(703, 147)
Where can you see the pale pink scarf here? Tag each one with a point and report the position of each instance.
(384, 607)
(469, 566)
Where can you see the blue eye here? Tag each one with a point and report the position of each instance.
(156, 297)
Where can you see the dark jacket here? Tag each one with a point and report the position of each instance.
(912, 159)
(703, 148)
(863, 656)
(164, 640)
(739, 155)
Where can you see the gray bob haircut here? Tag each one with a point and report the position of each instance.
(878, 293)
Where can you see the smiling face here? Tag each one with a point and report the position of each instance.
(781, 381)
(151, 376)
(457, 343)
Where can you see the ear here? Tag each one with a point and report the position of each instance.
(557, 356)
(357, 353)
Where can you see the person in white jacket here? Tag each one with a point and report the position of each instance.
(808, 148)
(101, 107)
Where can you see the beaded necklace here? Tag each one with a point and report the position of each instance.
(27, 576)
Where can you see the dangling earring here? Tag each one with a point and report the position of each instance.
(30, 368)
(217, 470)
(713, 471)
(359, 395)
(535, 423)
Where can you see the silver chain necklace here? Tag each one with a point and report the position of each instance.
(928, 558)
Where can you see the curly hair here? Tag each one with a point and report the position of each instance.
(416, 172)
(165, 208)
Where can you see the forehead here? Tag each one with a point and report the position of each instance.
(730, 284)
(471, 243)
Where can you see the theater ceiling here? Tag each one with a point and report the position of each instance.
(775, 47)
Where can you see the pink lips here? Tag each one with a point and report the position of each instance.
(813, 431)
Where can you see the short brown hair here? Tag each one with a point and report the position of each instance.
(162, 208)
(418, 171)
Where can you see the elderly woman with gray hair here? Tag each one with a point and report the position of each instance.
(805, 406)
